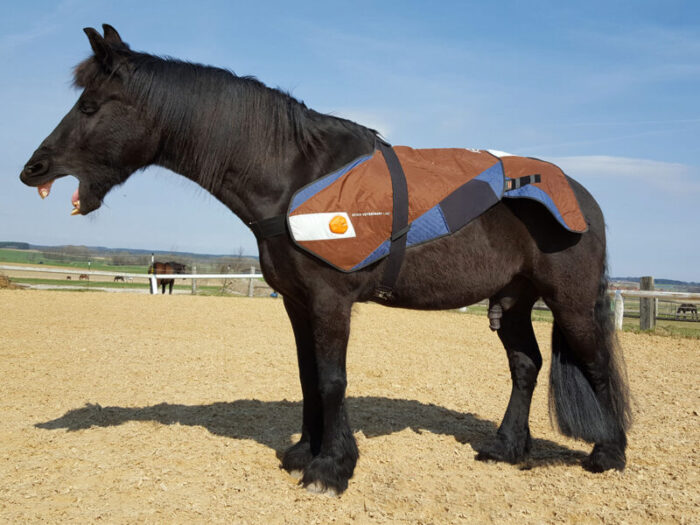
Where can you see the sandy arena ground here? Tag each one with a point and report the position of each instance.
(174, 409)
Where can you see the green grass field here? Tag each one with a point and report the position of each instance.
(9, 256)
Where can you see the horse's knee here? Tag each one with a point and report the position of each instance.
(332, 387)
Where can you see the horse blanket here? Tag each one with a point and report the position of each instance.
(345, 218)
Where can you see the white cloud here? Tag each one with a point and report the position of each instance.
(670, 177)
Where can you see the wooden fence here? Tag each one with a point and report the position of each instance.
(647, 316)
(152, 278)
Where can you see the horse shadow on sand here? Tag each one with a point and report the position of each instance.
(272, 423)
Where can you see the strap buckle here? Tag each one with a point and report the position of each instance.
(514, 184)
(383, 293)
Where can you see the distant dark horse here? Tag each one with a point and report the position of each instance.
(687, 308)
(159, 268)
(253, 147)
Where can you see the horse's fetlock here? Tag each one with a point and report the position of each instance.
(297, 457)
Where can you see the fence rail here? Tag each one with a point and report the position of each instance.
(68, 270)
(619, 302)
(152, 278)
(653, 294)
(139, 275)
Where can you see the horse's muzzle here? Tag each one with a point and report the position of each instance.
(37, 166)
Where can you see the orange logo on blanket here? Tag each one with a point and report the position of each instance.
(338, 224)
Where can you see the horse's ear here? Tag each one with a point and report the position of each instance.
(111, 35)
(104, 54)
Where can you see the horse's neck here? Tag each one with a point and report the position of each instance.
(256, 187)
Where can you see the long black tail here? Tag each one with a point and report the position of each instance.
(591, 401)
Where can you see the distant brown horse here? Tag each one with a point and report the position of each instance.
(83, 277)
(687, 308)
(160, 268)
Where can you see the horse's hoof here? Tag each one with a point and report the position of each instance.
(318, 488)
(501, 450)
(296, 474)
(604, 457)
(327, 475)
(493, 454)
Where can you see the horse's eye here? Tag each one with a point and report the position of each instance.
(87, 107)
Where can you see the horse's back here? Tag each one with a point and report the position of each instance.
(515, 239)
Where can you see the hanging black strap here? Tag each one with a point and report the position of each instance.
(399, 226)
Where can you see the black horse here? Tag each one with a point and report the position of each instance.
(253, 147)
(159, 268)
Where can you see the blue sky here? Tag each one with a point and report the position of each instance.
(608, 90)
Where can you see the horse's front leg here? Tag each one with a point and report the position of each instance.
(323, 333)
(297, 457)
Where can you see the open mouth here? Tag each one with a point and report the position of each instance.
(45, 188)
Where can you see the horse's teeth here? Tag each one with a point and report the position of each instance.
(75, 211)
(44, 189)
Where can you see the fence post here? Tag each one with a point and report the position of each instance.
(194, 281)
(619, 309)
(154, 285)
(152, 280)
(647, 306)
(251, 283)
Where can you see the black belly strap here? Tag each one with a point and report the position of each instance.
(399, 224)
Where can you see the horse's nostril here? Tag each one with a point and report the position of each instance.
(37, 168)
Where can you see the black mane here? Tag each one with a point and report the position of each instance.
(242, 118)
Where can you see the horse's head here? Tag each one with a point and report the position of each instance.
(105, 136)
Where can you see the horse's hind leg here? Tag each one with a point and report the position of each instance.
(588, 385)
(512, 441)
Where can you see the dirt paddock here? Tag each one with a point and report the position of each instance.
(132, 408)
